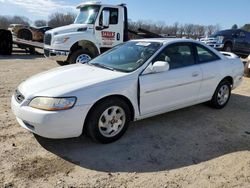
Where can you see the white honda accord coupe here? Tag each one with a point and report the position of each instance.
(132, 81)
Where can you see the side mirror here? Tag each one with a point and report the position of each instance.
(105, 18)
(157, 67)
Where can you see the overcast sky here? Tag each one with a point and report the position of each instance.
(222, 12)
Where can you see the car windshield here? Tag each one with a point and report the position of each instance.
(87, 15)
(127, 57)
(220, 33)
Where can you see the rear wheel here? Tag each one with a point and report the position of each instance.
(6, 42)
(222, 95)
(108, 120)
(81, 56)
(24, 34)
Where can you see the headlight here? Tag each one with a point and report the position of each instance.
(60, 40)
(220, 39)
(53, 104)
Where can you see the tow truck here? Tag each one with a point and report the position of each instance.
(97, 28)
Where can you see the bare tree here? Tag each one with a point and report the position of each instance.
(40, 23)
(246, 27)
(189, 30)
(61, 19)
(5, 21)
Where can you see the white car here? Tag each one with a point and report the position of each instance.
(133, 81)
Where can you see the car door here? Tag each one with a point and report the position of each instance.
(211, 68)
(177, 87)
(113, 35)
(240, 43)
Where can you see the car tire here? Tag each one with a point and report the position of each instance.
(221, 95)
(228, 47)
(80, 56)
(24, 34)
(247, 69)
(62, 63)
(6, 42)
(108, 120)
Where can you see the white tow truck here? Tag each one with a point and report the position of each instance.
(97, 28)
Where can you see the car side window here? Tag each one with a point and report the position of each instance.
(113, 19)
(177, 55)
(205, 55)
(242, 34)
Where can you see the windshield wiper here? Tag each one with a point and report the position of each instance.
(103, 66)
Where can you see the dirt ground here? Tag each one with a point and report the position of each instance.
(193, 147)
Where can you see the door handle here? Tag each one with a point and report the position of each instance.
(195, 74)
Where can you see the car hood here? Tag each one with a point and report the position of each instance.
(68, 29)
(208, 39)
(63, 80)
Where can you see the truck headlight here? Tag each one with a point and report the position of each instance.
(220, 39)
(60, 40)
(53, 104)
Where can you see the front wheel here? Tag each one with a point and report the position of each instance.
(247, 69)
(228, 47)
(80, 56)
(62, 63)
(222, 95)
(108, 120)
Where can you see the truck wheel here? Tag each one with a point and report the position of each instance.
(6, 42)
(62, 63)
(80, 56)
(24, 34)
(108, 120)
(247, 69)
(228, 47)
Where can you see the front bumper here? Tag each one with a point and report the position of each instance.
(56, 55)
(216, 46)
(55, 125)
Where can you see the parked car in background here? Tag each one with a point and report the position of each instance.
(132, 81)
(28, 32)
(232, 40)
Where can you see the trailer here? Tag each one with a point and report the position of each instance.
(8, 41)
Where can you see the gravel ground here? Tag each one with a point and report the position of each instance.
(193, 147)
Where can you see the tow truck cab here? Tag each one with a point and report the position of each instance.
(97, 27)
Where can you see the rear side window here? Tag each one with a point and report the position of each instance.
(177, 55)
(205, 55)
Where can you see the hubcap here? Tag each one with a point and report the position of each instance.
(223, 95)
(83, 58)
(112, 121)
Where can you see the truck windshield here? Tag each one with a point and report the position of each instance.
(87, 14)
(126, 57)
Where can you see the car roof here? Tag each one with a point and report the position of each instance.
(165, 40)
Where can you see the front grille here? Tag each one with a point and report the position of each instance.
(18, 96)
(47, 39)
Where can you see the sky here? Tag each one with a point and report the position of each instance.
(204, 12)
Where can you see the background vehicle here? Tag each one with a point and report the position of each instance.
(28, 32)
(97, 28)
(132, 81)
(233, 40)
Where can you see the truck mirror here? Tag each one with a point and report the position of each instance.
(105, 18)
